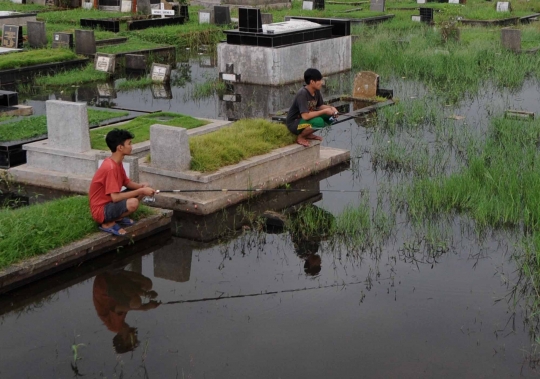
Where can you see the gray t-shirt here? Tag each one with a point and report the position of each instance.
(303, 103)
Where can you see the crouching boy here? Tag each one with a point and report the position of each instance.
(108, 205)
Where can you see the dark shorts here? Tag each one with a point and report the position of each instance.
(113, 211)
(316, 123)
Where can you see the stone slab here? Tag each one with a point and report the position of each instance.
(511, 39)
(136, 62)
(16, 18)
(85, 42)
(365, 85)
(377, 6)
(62, 258)
(105, 62)
(67, 126)
(278, 66)
(37, 37)
(169, 148)
(144, 7)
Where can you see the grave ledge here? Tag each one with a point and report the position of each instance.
(79, 251)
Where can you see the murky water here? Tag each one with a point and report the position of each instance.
(258, 305)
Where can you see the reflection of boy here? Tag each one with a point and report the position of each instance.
(109, 206)
(116, 293)
(308, 113)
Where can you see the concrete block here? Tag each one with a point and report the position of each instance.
(169, 148)
(85, 42)
(37, 37)
(377, 5)
(67, 126)
(511, 39)
(267, 18)
(135, 62)
(365, 85)
(143, 6)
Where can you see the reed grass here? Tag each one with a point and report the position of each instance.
(6, 5)
(35, 126)
(79, 76)
(73, 16)
(140, 127)
(206, 89)
(35, 57)
(130, 84)
(133, 44)
(241, 140)
(35, 230)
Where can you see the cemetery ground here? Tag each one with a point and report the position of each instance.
(431, 261)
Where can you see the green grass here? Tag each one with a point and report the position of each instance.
(34, 57)
(31, 231)
(73, 77)
(73, 16)
(132, 44)
(242, 140)
(35, 126)
(140, 127)
(130, 84)
(6, 5)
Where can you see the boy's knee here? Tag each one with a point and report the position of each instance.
(318, 122)
(132, 204)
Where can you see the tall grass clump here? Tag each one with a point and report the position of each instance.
(242, 140)
(78, 76)
(73, 16)
(34, 57)
(206, 89)
(30, 231)
(181, 36)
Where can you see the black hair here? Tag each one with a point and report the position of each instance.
(117, 137)
(312, 74)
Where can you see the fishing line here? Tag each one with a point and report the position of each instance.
(258, 190)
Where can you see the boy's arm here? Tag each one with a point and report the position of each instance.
(324, 111)
(141, 191)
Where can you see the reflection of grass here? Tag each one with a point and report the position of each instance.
(34, 57)
(126, 85)
(40, 228)
(73, 77)
(140, 127)
(243, 139)
(35, 126)
(207, 89)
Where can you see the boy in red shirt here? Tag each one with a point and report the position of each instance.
(109, 206)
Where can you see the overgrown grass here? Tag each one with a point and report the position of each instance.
(140, 127)
(133, 44)
(242, 140)
(31, 231)
(34, 57)
(206, 89)
(73, 77)
(35, 126)
(6, 5)
(73, 16)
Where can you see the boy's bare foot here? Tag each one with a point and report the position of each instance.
(302, 141)
(313, 136)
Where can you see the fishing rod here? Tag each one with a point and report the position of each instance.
(257, 190)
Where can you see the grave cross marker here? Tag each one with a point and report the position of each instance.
(162, 11)
(12, 36)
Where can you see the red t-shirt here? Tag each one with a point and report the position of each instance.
(109, 178)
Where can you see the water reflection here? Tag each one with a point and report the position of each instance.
(174, 261)
(115, 293)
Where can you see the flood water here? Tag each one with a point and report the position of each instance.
(256, 304)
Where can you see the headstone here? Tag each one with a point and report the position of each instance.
(105, 62)
(426, 15)
(169, 148)
(503, 6)
(162, 11)
(63, 40)
(67, 126)
(35, 30)
(206, 16)
(8, 98)
(365, 85)
(511, 39)
(249, 20)
(106, 90)
(420, 1)
(173, 262)
(222, 15)
(184, 11)
(85, 42)
(453, 1)
(416, 18)
(160, 72)
(267, 18)
(135, 62)
(143, 6)
(377, 6)
(12, 36)
(308, 5)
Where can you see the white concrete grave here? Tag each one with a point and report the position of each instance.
(307, 5)
(289, 26)
(105, 62)
(160, 72)
(162, 11)
(503, 6)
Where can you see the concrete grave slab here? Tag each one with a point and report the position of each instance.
(136, 62)
(222, 15)
(63, 40)
(206, 16)
(37, 37)
(105, 62)
(160, 72)
(267, 18)
(511, 39)
(169, 148)
(365, 85)
(377, 6)
(67, 126)
(85, 42)
(144, 7)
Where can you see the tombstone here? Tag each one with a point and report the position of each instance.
(143, 6)
(184, 11)
(62, 40)
(249, 20)
(169, 148)
(206, 16)
(377, 5)
(85, 42)
(511, 39)
(426, 15)
(173, 262)
(416, 18)
(160, 72)
(222, 15)
(366, 84)
(105, 62)
(161, 90)
(67, 126)
(12, 37)
(503, 6)
(420, 1)
(267, 18)
(35, 30)
(162, 11)
(309, 5)
(8, 98)
(135, 62)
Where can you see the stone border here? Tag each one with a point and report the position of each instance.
(97, 244)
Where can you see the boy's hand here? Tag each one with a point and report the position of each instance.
(330, 111)
(146, 191)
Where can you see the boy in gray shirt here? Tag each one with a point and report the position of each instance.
(308, 113)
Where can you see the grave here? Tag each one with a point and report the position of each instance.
(155, 22)
(15, 18)
(136, 62)
(65, 160)
(105, 62)
(85, 42)
(107, 24)
(37, 38)
(160, 72)
(162, 11)
(184, 12)
(426, 15)
(169, 169)
(12, 37)
(511, 39)
(267, 18)
(366, 85)
(206, 16)
(377, 5)
(310, 5)
(62, 40)
(247, 3)
(503, 6)
(283, 50)
(144, 7)
(222, 15)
